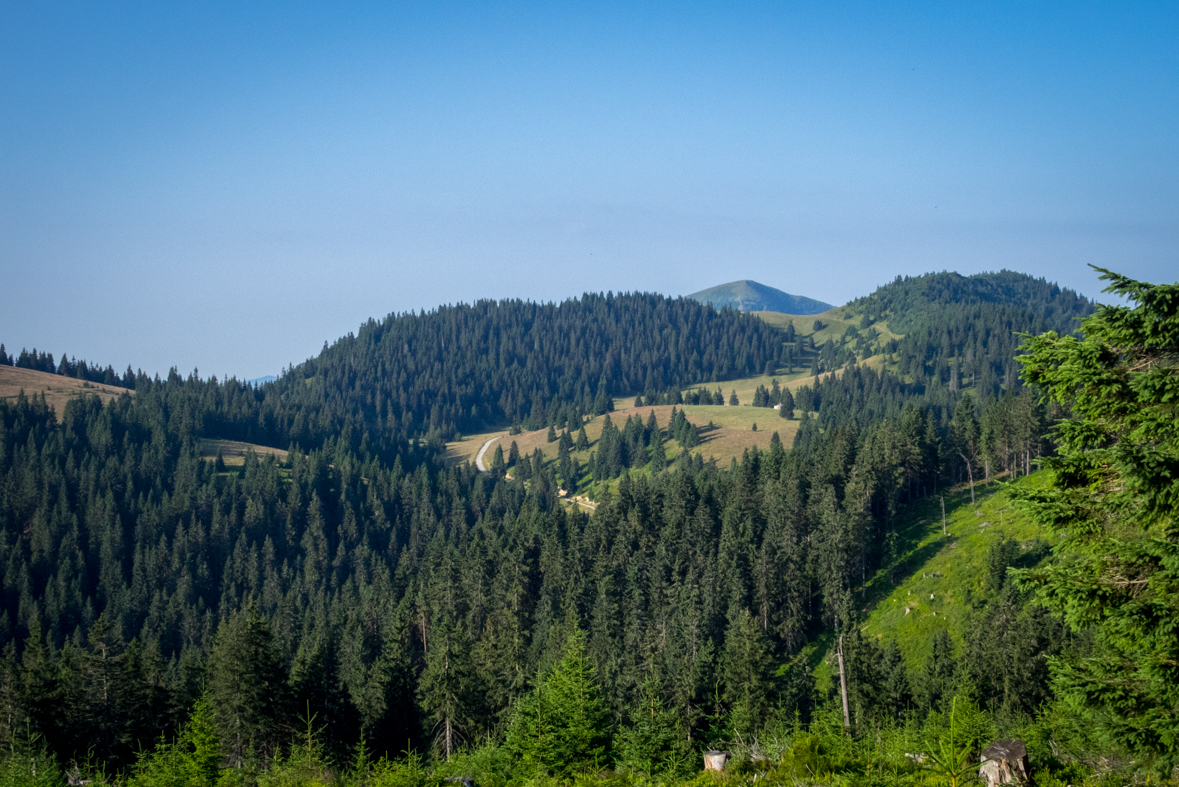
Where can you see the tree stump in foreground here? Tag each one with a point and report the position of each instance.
(715, 760)
(1004, 762)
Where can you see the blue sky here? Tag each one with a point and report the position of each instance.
(226, 186)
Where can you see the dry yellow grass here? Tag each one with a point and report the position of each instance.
(731, 435)
(233, 453)
(834, 326)
(57, 389)
(733, 432)
(465, 450)
(835, 323)
(747, 386)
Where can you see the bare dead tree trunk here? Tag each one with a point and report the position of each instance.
(969, 475)
(843, 686)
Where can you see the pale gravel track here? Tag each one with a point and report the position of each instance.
(482, 451)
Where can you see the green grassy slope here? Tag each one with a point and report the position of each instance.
(960, 558)
(951, 568)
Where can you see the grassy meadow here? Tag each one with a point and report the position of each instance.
(233, 452)
(940, 579)
(730, 435)
(57, 388)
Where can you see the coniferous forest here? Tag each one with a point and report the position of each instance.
(363, 611)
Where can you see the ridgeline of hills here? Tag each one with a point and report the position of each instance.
(363, 579)
(750, 296)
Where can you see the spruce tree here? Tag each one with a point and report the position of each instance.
(317, 689)
(448, 689)
(108, 691)
(248, 686)
(748, 677)
(787, 410)
(560, 727)
(655, 740)
(1113, 494)
(939, 677)
(658, 453)
(965, 439)
(40, 690)
(896, 688)
(192, 759)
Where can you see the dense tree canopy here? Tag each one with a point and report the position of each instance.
(393, 597)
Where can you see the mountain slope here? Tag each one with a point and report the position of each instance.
(914, 301)
(941, 579)
(751, 296)
(964, 330)
(463, 367)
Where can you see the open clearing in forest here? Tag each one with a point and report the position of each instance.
(57, 389)
(464, 450)
(233, 453)
(835, 324)
(951, 568)
(960, 557)
(747, 386)
(732, 433)
(834, 327)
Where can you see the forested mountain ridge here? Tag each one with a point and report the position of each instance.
(422, 378)
(964, 330)
(909, 301)
(461, 367)
(397, 598)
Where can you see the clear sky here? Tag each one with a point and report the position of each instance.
(228, 185)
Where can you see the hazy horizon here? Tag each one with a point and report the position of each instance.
(226, 187)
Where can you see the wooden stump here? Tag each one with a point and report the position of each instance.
(1004, 762)
(715, 760)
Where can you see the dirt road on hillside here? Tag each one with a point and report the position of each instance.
(482, 451)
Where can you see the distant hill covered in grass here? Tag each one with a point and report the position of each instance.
(752, 296)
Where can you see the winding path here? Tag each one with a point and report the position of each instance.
(482, 451)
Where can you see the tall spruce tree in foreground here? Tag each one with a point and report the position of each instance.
(448, 688)
(560, 727)
(248, 687)
(655, 739)
(1115, 498)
